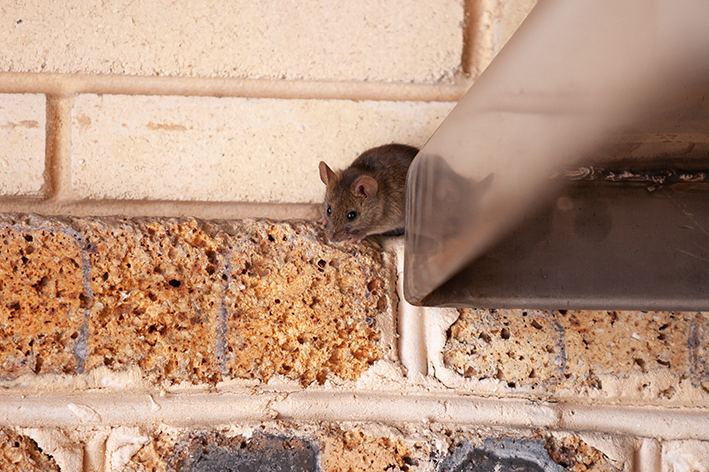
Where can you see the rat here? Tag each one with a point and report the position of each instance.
(368, 197)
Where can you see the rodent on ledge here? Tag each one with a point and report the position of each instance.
(367, 198)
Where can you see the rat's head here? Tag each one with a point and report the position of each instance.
(351, 205)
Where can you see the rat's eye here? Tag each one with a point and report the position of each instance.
(351, 215)
(329, 211)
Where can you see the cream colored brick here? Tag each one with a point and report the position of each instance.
(685, 456)
(497, 21)
(395, 40)
(509, 14)
(230, 149)
(22, 133)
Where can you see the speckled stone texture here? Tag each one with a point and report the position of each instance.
(529, 454)
(20, 453)
(261, 453)
(42, 300)
(354, 451)
(187, 300)
(572, 348)
(157, 290)
(297, 446)
(299, 308)
(577, 456)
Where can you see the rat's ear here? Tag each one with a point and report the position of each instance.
(365, 187)
(328, 176)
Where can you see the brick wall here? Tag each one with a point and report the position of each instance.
(176, 307)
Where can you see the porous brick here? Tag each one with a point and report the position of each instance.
(43, 301)
(302, 447)
(157, 289)
(230, 149)
(187, 300)
(517, 347)
(301, 308)
(573, 348)
(355, 451)
(510, 454)
(19, 452)
(23, 133)
(577, 456)
(260, 453)
(362, 40)
(621, 342)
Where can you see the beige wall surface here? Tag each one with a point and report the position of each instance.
(400, 40)
(22, 133)
(229, 149)
(131, 340)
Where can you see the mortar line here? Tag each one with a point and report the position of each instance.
(57, 172)
(222, 317)
(161, 208)
(471, 13)
(648, 457)
(478, 37)
(115, 408)
(71, 84)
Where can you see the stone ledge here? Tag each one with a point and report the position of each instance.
(187, 300)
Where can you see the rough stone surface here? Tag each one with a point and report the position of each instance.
(42, 301)
(531, 348)
(23, 119)
(354, 451)
(323, 447)
(510, 454)
(230, 149)
(517, 347)
(187, 300)
(300, 308)
(577, 456)
(157, 289)
(362, 40)
(22, 454)
(210, 452)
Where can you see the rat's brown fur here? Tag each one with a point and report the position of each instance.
(373, 188)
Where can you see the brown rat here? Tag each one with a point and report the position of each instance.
(368, 197)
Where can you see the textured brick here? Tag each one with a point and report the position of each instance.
(573, 348)
(621, 342)
(23, 120)
(21, 453)
(577, 456)
(261, 453)
(157, 291)
(229, 149)
(288, 446)
(517, 347)
(354, 451)
(509, 454)
(187, 300)
(300, 308)
(42, 301)
(362, 40)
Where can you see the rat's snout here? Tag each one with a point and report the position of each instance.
(336, 235)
